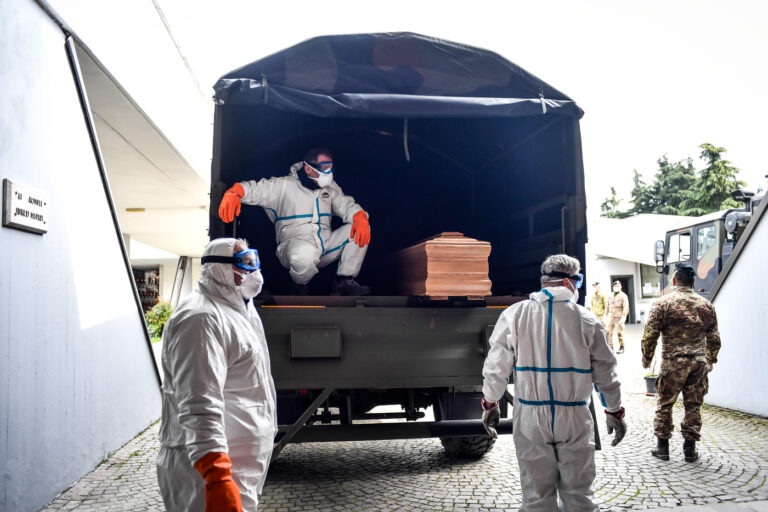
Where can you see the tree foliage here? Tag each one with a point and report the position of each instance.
(610, 207)
(716, 182)
(643, 198)
(678, 189)
(156, 318)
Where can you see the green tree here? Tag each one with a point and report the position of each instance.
(643, 198)
(714, 185)
(156, 318)
(610, 207)
(671, 185)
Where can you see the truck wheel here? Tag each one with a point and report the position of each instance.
(467, 447)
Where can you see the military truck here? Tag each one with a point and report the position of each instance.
(706, 243)
(428, 136)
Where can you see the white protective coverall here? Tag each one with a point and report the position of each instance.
(302, 219)
(555, 350)
(218, 393)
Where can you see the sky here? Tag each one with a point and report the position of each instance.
(653, 77)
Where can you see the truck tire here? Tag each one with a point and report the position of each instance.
(467, 447)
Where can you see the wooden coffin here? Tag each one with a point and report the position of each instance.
(448, 264)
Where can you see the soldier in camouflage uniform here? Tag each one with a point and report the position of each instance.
(599, 303)
(618, 309)
(690, 342)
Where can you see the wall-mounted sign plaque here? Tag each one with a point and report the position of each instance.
(24, 208)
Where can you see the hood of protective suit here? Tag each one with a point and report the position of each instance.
(218, 279)
(559, 294)
(295, 168)
(297, 171)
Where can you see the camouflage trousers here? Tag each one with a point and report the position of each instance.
(678, 374)
(615, 324)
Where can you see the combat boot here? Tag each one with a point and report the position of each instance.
(662, 449)
(621, 350)
(689, 451)
(348, 286)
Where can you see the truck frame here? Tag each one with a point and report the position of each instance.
(429, 136)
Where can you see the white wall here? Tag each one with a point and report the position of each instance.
(77, 378)
(601, 269)
(168, 273)
(740, 380)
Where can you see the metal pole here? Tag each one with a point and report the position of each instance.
(86, 108)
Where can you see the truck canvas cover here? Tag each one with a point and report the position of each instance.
(428, 135)
(391, 75)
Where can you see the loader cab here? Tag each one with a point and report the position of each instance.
(705, 246)
(700, 247)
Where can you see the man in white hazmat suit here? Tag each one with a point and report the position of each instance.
(555, 351)
(219, 414)
(301, 205)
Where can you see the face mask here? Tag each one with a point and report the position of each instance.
(252, 284)
(324, 179)
(617, 288)
(575, 297)
(325, 171)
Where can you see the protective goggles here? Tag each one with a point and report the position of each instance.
(247, 260)
(577, 279)
(325, 167)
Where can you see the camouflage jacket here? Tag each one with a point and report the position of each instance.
(599, 304)
(688, 326)
(618, 305)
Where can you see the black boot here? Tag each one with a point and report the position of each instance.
(621, 350)
(299, 289)
(689, 451)
(662, 449)
(345, 285)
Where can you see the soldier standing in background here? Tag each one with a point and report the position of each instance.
(690, 342)
(618, 309)
(599, 303)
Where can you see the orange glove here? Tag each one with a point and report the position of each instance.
(230, 203)
(221, 492)
(361, 230)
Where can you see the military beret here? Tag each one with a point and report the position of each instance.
(596, 283)
(684, 268)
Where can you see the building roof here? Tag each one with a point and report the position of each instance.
(633, 238)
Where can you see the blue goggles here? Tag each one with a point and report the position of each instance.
(325, 167)
(240, 260)
(578, 279)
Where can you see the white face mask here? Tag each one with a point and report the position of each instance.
(324, 179)
(575, 297)
(617, 288)
(252, 284)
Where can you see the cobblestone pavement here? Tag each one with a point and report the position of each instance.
(415, 475)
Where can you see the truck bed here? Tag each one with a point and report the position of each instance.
(377, 341)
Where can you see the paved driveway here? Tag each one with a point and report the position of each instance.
(415, 475)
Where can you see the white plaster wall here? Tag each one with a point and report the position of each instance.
(601, 269)
(76, 376)
(130, 39)
(739, 379)
(167, 274)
